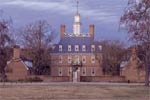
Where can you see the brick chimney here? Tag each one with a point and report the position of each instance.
(91, 29)
(16, 52)
(62, 31)
(134, 50)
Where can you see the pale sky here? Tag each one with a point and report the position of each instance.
(105, 14)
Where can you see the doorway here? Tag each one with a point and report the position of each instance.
(75, 76)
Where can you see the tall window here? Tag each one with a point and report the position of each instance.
(69, 71)
(83, 71)
(69, 59)
(69, 47)
(60, 59)
(60, 71)
(76, 47)
(60, 47)
(83, 48)
(92, 48)
(84, 59)
(92, 72)
(92, 59)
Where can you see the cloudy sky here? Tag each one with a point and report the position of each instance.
(104, 14)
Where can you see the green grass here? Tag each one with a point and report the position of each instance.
(74, 92)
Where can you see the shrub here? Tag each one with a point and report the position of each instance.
(34, 79)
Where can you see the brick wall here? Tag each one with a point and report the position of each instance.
(16, 70)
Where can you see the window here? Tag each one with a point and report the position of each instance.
(100, 47)
(76, 60)
(60, 71)
(83, 71)
(60, 59)
(84, 59)
(92, 72)
(69, 59)
(93, 59)
(83, 48)
(69, 71)
(76, 47)
(92, 48)
(60, 47)
(69, 47)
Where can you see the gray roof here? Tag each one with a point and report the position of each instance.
(87, 41)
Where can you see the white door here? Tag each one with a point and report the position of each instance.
(75, 76)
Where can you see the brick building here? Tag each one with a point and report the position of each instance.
(75, 55)
(134, 70)
(18, 68)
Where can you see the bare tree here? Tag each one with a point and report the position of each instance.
(113, 52)
(5, 42)
(136, 20)
(37, 40)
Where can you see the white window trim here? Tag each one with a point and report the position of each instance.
(69, 61)
(92, 70)
(84, 48)
(92, 48)
(69, 48)
(92, 57)
(60, 59)
(84, 57)
(60, 71)
(84, 71)
(69, 71)
(100, 47)
(76, 47)
(60, 47)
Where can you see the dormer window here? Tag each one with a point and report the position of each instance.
(92, 48)
(83, 48)
(69, 47)
(76, 47)
(60, 47)
(100, 47)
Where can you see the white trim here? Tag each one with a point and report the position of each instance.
(25, 65)
(60, 48)
(92, 59)
(92, 48)
(83, 71)
(60, 58)
(60, 71)
(84, 59)
(69, 59)
(69, 48)
(92, 71)
(83, 47)
(76, 47)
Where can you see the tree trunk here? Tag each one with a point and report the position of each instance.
(147, 67)
(147, 75)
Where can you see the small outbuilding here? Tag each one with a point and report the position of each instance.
(18, 68)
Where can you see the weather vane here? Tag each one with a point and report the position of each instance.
(77, 6)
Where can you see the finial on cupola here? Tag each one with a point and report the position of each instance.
(77, 6)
